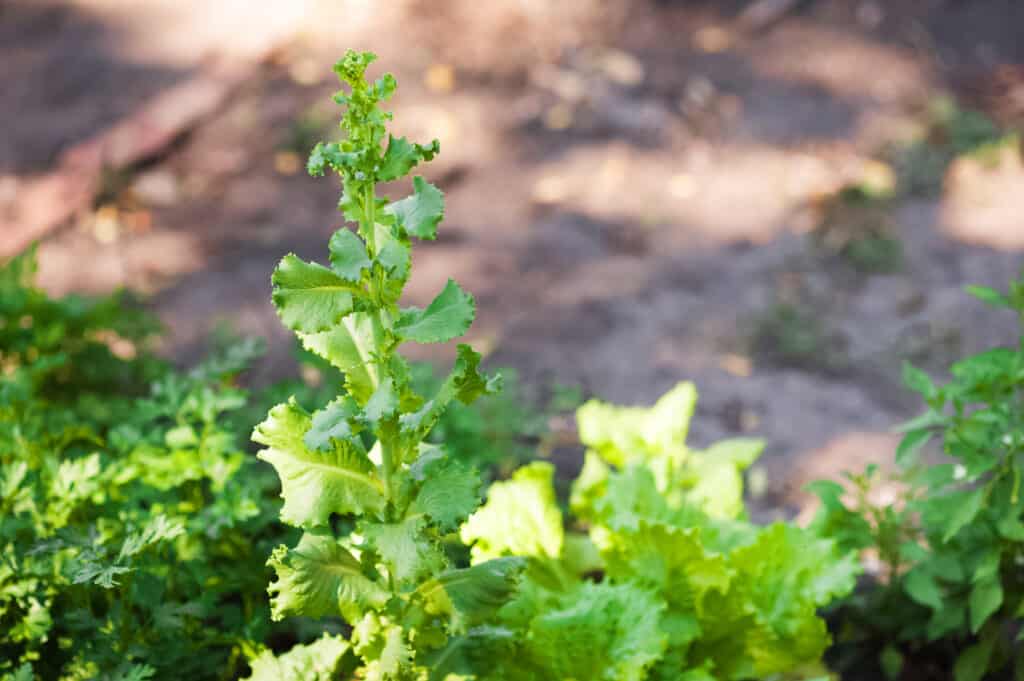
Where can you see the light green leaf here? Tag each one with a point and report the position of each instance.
(986, 598)
(181, 437)
(465, 383)
(986, 366)
(601, 632)
(317, 661)
(329, 155)
(12, 475)
(394, 256)
(671, 560)
(589, 485)
(990, 296)
(918, 381)
(580, 555)
(351, 201)
(419, 214)
(81, 571)
(520, 517)
(800, 560)
(630, 496)
(316, 484)
(368, 634)
(928, 419)
(448, 494)
(333, 422)
(383, 403)
(448, 316)
(718, 489)
(395, 657)
(405, 549)
(401, 156)
(829, 492)
(702, 674)
(623, 434)
(912, 443)
(348, 256)
(19, 272)
(77, 479)
(159, 528)
(352, 346)
(320, 578)
(309, 297)
(739, 451)
(767, 623)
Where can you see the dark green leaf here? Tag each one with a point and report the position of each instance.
(972, 664)
(922, 587)
(986, 597)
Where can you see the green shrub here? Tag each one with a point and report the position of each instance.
(63, 348)
(954, 544)
(130, 522)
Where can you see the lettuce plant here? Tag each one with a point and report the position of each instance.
(375, 502)
(669, 581)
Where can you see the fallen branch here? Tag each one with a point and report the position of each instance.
(42, 204)
(761, 14)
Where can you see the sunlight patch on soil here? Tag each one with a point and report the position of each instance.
(146, 263)
(984, 203)
(723, 195)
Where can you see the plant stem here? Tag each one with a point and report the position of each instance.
(126, 629)
(376, 284)
(370, 218)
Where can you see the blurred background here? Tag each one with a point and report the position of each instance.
(778, 199)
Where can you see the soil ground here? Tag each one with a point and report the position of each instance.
(629, 187)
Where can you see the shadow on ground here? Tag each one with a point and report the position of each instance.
(628, 189)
